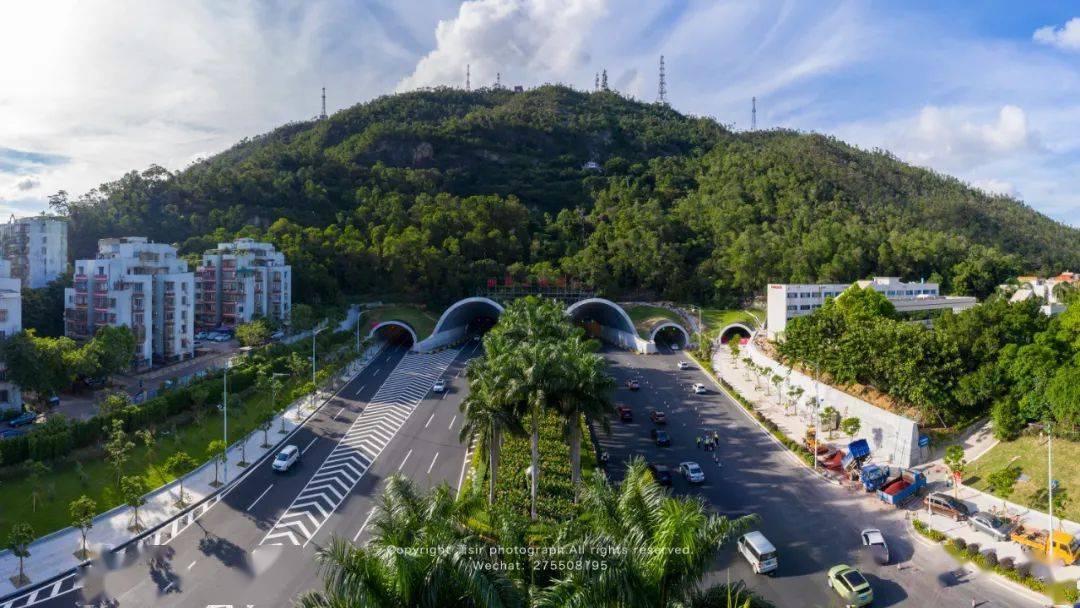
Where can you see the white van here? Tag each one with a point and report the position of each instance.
(286, 458)
(759, 552)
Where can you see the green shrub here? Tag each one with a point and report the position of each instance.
(959, 544)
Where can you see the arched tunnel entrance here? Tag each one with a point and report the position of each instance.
(670, 334)
(606, 320)
(394, 333)
(735, 331)
(461, 321)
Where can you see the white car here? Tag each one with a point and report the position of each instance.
(874, 540)
(699, 388)
(201, 335)
(439, 386)
(674, 346)
(692, 472)
(286, 458)
(683, 365)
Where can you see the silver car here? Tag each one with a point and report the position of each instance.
(998, 528)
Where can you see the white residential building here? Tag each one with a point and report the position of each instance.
(786, 301)
(142, 285)
(239, 281)
(37, 248)
(10, 323)
(1044, 289)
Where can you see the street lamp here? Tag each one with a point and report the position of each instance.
(314, 387)
(225, 412)
(273, 396)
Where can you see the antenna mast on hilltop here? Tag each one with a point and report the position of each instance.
(753, 113)
(662, 92)
(323, 115)
(498, 80)
(468, 69)
(603, 79)
(596, 83)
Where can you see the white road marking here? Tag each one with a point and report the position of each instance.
(430, 418)
(360, 390)
(339, 412)
(432, 465)
(191, 565)
(404, 460)
(361, 530)
(304, 451)
(452, 420)
(260, 497)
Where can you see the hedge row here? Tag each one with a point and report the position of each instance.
(556, 492)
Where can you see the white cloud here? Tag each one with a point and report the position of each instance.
(524, 41)
(1066, 37)
(997, 186)
(27, 183)
(950, 136)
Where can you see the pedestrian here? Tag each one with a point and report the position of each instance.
(716, 437)
(698, 442)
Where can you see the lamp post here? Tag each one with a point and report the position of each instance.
(1050, 488)
(225, 412)
(273, 396)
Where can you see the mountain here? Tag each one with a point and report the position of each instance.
(427, 194)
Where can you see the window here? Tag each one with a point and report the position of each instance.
(793, 307)
(3, 315)
(4, 396)
(804, 307)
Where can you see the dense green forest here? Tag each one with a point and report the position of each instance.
(427, 194)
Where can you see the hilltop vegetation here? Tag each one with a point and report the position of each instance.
(430, 193)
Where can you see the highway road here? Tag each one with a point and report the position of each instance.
(814, 525)
(256, 547)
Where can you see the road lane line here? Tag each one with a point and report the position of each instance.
(259, 498)
(191, 565)
(304, 451)
(432, 465)
(430, 418)
(339, 412)
(452, 420)
(360, 390)
(404, 460)
(361, 530)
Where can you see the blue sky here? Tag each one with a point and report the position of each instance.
(983, 91)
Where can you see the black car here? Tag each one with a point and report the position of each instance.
(660, 473)
(658, 417)
(625, 413)
(661, 438)
(632, 384)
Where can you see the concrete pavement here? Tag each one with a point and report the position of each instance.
(814, 525)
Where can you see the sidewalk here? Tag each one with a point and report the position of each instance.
(54, 554)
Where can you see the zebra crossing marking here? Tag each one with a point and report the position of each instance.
(407, 384)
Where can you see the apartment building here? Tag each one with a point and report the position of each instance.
(239, 281)
(10, 323)
(142, 285)
(787, 301)
(36, 247)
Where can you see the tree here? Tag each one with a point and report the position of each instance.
(19, 539)
(132, 492)
(733, 347)
(1040, 499)
(42, 366)
(1002, 481)
(178, 465)
(243, 453)
(583, 392)
(488, 414)
(851, 427)
(265, 422)
(215, 452)
(631, 525)
(111, 351)
(421, 553)
(199, 396)
(1006, 419)
(118, 448)
(777, 380)
(956, 463)
(829, 417)
(148, 438)
(254, 333)
(83, 510)
(35, 471)
(113, 403)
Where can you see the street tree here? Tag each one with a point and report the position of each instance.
(133, 493)
(178, 465)
(1002, 482)
(254, 333)
(148, 438)
(19, 539)
(215, 452)
(956, 463)
(265, 422)
(35, 472)
(850, 426)
(83, 510)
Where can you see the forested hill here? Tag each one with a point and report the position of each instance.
(427, 194)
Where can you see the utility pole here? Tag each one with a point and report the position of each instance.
(323, 115)
(225, 412)
(753, 113)
(467, 76)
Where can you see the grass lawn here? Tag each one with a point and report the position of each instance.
(422, 322)
(716, 319)
(1030, 455)
(647, 317)
(98, 479)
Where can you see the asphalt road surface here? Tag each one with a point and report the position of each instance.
(814, 525)
(257, 546)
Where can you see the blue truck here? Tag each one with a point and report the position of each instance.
(900, 486)
(857, 453)
(872, 476)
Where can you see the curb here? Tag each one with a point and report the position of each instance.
(217, 494)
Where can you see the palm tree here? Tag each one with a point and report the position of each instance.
(586, 391)
(487, 416)
(420, 554)
(657, 546)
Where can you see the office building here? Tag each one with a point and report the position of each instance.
(786, 301)
(37, 248)
(142, 285)
(239, 281)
